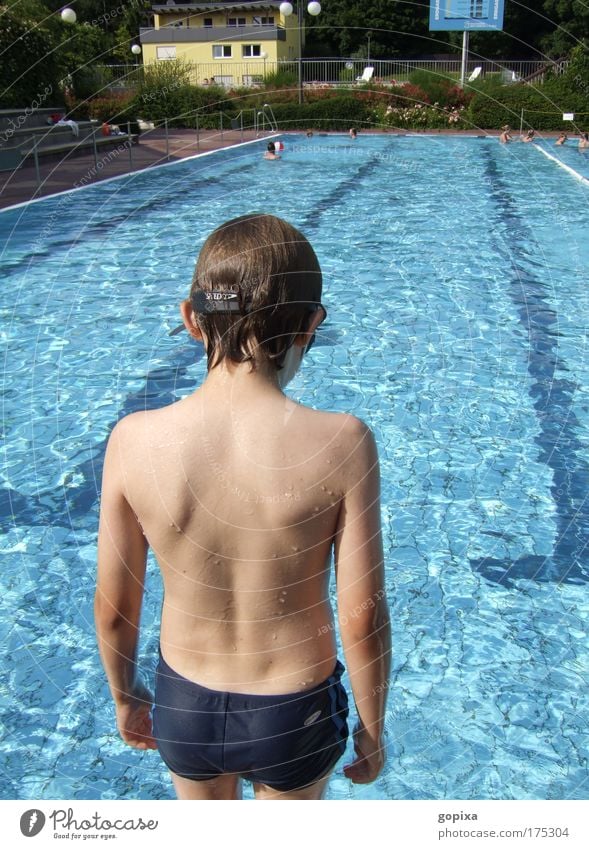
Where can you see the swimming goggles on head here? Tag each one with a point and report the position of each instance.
(228, 300)
(314, 309)
(231, 301)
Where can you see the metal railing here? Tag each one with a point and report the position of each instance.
(252, 72)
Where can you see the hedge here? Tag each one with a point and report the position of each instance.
(541, 110)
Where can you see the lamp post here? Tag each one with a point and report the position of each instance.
(264, 56)
(314, 9)
(368, 36)
(136, 50)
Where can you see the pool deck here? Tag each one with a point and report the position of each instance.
(60, 174)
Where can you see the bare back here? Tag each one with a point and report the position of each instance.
(239, 497)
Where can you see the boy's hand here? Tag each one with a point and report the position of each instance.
(369, 758)
(134, 719)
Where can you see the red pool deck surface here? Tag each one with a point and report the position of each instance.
(60, 173)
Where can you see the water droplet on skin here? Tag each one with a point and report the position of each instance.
(273, 636)
(178, 530)
(216, 562)
(329, 462)
(294, 547)
(324, 489)
(316, 509)
(283, 592)
(329, 492)
(234, 648)
(281, 600)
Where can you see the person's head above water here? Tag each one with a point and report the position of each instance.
(255, 293)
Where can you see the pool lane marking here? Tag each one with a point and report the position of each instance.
(562, 165)
(149, 168)
(99, 229)
(552, 398)
(311, 219)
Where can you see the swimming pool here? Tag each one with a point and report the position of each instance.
(455, 281)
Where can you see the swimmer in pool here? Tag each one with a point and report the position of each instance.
(562, 139)
(505, 136)
(584, 141)
(244, 496)
(270, 152)
(530, 136)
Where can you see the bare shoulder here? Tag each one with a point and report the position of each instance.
(138, 432)
(347, 438)
(344, 426)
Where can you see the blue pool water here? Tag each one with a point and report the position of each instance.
(456, 286)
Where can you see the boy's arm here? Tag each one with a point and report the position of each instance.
(122, 558)
(362, 606)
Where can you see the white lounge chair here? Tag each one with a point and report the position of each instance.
(366, 75)
(475, 74)
(508, 77)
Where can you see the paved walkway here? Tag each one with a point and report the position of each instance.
(61, 174)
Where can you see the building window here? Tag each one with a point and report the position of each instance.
(235, 22)
(261, 21)
(221, 51)
(207, 22)
(250, 50)
(166, 52)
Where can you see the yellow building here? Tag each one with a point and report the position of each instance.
(234, 44)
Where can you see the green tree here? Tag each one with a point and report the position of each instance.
(398, 28)
(569, 25)
(29, 64)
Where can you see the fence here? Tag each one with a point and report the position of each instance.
(329, 71)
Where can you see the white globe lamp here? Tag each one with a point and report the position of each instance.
(136, 49)
(286, 9)
(314, 8)
(68, 16)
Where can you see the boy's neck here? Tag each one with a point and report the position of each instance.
(239, 379)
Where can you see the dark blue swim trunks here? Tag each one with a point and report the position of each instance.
(285, 742)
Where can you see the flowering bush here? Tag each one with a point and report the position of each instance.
(420, 116)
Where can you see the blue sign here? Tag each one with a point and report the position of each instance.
(466, 14)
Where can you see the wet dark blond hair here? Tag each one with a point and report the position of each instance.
(276, 274)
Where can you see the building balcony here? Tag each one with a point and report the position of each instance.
(186, 35)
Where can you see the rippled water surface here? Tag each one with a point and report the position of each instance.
(456, 285)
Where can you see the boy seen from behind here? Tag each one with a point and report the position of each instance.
(243, 494)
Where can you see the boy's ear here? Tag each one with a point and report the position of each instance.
(303, 339)
(189, 319)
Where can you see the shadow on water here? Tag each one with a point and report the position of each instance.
(560, 447)
(71, 504)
